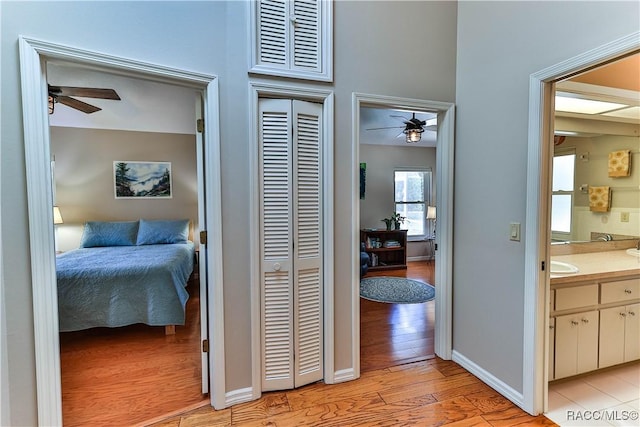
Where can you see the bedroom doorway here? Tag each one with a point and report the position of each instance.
(443, 182)
(35, 55)
(133, 359)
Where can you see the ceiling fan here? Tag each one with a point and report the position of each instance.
(63, 94)
(413, 127)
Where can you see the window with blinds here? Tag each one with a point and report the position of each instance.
(292, 38)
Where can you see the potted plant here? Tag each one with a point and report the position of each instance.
(394, 221)
(397, 220)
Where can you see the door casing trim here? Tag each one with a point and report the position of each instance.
(444, 225)
(257, 90)
(34, 55)
(537, 238)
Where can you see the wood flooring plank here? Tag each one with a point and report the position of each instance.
(270, 404)
(469, 422)
(422, 388)
(514, 416)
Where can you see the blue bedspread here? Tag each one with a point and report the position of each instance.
(122, 285)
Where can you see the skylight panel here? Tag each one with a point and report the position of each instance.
(626, 113)
(584, 106)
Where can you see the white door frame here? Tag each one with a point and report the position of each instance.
(34, 55)
(444, 225)
(324, 97)
(537, 240)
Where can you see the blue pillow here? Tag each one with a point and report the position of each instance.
(163, 231)
(99, 233)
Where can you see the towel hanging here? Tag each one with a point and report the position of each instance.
(619, 163)
(599, 199)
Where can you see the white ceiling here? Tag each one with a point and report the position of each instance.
(145, 105)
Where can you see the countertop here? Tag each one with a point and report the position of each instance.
(597, 266)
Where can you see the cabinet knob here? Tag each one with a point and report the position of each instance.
(551, 327)
(277, 266)
(632, 313)
(573, 322)
(623, 314)
(585, 320)
(627, 291)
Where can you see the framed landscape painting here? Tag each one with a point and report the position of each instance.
(136, 179)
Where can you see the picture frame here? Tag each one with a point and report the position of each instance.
(134, 179)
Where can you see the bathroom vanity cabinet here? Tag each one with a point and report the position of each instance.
(595, 316)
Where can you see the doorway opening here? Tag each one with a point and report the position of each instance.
(440, 272)
(107, 362)
(539, 196)
(397, 177)
(34, 56)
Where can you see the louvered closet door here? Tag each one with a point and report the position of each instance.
(291, 273)
(289, 34)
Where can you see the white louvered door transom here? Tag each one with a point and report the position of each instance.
(292, 38)
(291, 243)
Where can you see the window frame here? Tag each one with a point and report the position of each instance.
(427, 200)
(555, 234)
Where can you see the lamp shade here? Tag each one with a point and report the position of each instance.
(431, 212)
(57, 216)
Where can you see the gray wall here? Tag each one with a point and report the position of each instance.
(84, 177)
(211, 37)
(382, 161)
(500, 44)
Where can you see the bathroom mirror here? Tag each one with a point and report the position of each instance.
(597, 113)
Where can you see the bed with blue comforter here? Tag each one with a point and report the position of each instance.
(123, 283)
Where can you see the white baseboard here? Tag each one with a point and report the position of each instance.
(489, 379)
(419, 258)
(241, 395)
(344, 375)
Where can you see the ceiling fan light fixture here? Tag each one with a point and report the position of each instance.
(413, 135)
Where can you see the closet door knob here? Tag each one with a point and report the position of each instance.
(277, 266)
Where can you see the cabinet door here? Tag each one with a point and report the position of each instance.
(588, 341)
(612, 325)
(552, 351)
(566, 346)
(632, 333)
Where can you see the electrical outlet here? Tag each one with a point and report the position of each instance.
(624, 216)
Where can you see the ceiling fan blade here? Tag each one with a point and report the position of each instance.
(78, 105)
(390, 127)
(85, 92)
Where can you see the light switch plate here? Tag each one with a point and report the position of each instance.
(624, 216)
(514, 231)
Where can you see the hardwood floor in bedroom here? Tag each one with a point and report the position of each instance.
(124, 376)
(393, 334)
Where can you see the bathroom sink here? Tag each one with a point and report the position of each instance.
(634, 252)
(558, 267)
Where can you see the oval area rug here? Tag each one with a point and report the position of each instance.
(396, 290)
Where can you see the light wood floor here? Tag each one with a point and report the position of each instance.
(397, 387)
(393, 334)
(123, 376)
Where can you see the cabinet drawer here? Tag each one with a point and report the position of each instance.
(620, 291)
(578, 296)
